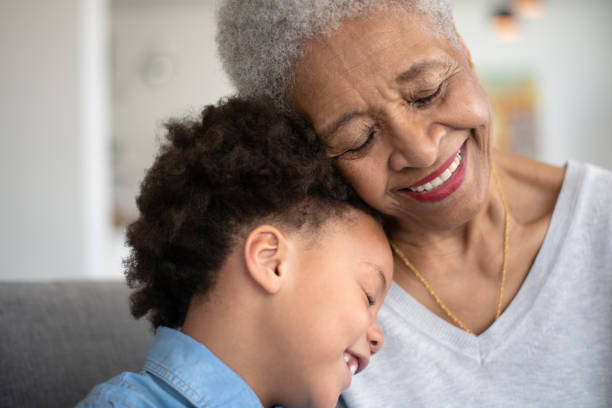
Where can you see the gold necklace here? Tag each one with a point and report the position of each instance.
(503, 270)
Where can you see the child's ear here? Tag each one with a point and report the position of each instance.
(265, 253)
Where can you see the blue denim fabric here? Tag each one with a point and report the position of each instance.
(179, 372)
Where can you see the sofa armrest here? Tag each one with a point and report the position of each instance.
(59, 339)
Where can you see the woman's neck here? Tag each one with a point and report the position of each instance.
(462, 261)
(457, 244)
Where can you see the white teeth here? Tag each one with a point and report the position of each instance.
(446, 175)
(351, 362)
(438, 181)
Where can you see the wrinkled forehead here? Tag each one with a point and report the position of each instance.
(368, 39)
(361, 56)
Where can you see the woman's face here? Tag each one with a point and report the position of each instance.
(400, 108)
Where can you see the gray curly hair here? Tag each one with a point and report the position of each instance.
(260, 40)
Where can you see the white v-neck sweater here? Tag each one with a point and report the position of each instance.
(552, 346)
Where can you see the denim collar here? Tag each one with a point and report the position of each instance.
(196, 373)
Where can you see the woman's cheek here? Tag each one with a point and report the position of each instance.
(367, 178)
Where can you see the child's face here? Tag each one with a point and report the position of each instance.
(329, 312)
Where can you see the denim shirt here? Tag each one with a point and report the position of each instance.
(178, 372)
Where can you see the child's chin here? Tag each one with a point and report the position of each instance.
(327, 400)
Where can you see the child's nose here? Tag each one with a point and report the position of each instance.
(376, 338)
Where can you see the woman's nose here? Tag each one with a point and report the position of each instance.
(376, 338)
(415, 143)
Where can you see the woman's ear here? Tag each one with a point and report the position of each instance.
(464, 47)
(265, 254)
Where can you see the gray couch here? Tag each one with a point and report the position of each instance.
(59, 339)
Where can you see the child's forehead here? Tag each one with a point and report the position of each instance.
(356, 242)
(351, 226)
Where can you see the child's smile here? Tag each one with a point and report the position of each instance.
(330, 309)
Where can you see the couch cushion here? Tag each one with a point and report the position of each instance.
(59, 339)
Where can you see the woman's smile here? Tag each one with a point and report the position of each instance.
(442, 182)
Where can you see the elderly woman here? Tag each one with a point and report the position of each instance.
(503, 269)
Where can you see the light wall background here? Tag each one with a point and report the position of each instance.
(568, 51)
(86, 84)
(53, 132)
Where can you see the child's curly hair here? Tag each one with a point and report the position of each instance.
(241, 162)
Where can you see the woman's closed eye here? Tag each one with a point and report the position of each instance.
(424, 101)
(365, 144)
(356, 152)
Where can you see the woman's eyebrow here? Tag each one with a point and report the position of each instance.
(419, 68)
(342, 121)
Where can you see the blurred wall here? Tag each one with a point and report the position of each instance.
(52, 120)
(164, 65)
(567, 49)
